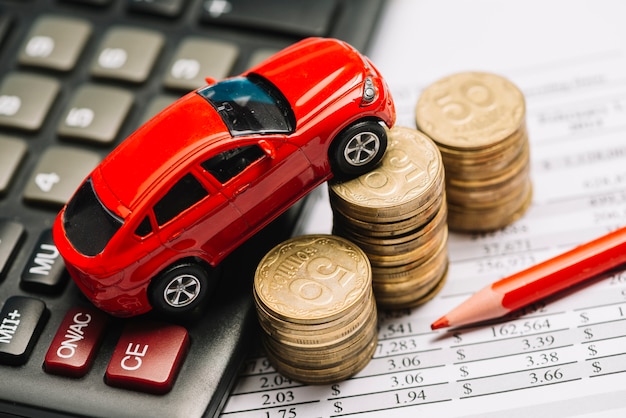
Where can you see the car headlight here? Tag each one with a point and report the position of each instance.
(369, 91)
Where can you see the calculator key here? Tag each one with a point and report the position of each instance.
(5, 23)
(45, 270)
(12, 152)
(157, 104)
(198, 58)
(260, 55)
(305, 18)
(91, 2)
(127, 54)
(21, 321)
(11, 234)
(148, 356)
(76, 341)
(25, 100)
(167, 8)
(55, 42)
(58, 174)
(96, 113)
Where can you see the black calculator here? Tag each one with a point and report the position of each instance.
(76, 78)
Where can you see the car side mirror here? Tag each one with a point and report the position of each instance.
(267, 148)
(210, 80)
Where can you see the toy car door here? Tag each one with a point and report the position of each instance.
(260, 185)
(197, 219)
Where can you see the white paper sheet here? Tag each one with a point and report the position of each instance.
(562, 357)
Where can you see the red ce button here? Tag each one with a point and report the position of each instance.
(148, 356)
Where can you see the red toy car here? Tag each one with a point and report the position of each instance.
(149, 225)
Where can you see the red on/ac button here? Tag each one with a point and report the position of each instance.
(74, 346)
(147, 357)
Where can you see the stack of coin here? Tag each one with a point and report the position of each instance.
(478, 121)
(315, 304)
(397, 214)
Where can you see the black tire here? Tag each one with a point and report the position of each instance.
(180, 289)
(357, 149)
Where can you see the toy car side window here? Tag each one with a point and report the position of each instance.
(184, 194)
(144, 228)
(227, 164)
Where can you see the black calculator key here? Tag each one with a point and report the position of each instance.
(58, 174)
(45, 270)
(55, 42)
(21, 321)
(11, 234)
(96, 113)
(260, 55)
(12, 151)
(157, 104)
(197, 58)
(167, 8)
(127, 54)
(5, 23)
(25, 100)
(307, 18)
(91, 2)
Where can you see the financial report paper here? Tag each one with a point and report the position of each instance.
(561, 357)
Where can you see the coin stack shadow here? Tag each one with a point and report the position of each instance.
(478, 122)
(397, 214)
(315, 304)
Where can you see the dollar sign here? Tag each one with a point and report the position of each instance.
(588, 334)
(467, 388)
(464, 371)
(336, 390)
(596, 367)
(584, 317)
(460, 354)
(592, 350)
(457, 337)
(338, 407)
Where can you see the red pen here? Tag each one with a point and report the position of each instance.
(539, 281)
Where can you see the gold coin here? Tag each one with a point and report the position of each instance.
(410, 271)
(484, 168)
(312, 279)
(320, 339)
(413, 214)
(346, 222)
(414, 257)
(328, 350)
(468, 155)
(414, 301)
(325, 375)
(404, 180)
(275, 325)
(491, 191)
(468, 219)
(470, 110)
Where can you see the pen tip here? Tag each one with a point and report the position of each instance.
(440, 323)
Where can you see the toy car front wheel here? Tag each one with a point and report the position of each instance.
(358, 148)
(180, 289)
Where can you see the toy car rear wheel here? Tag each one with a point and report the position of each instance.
(358, 148)
(180, 289)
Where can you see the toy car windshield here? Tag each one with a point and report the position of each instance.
(86, 209)
(249, 105)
